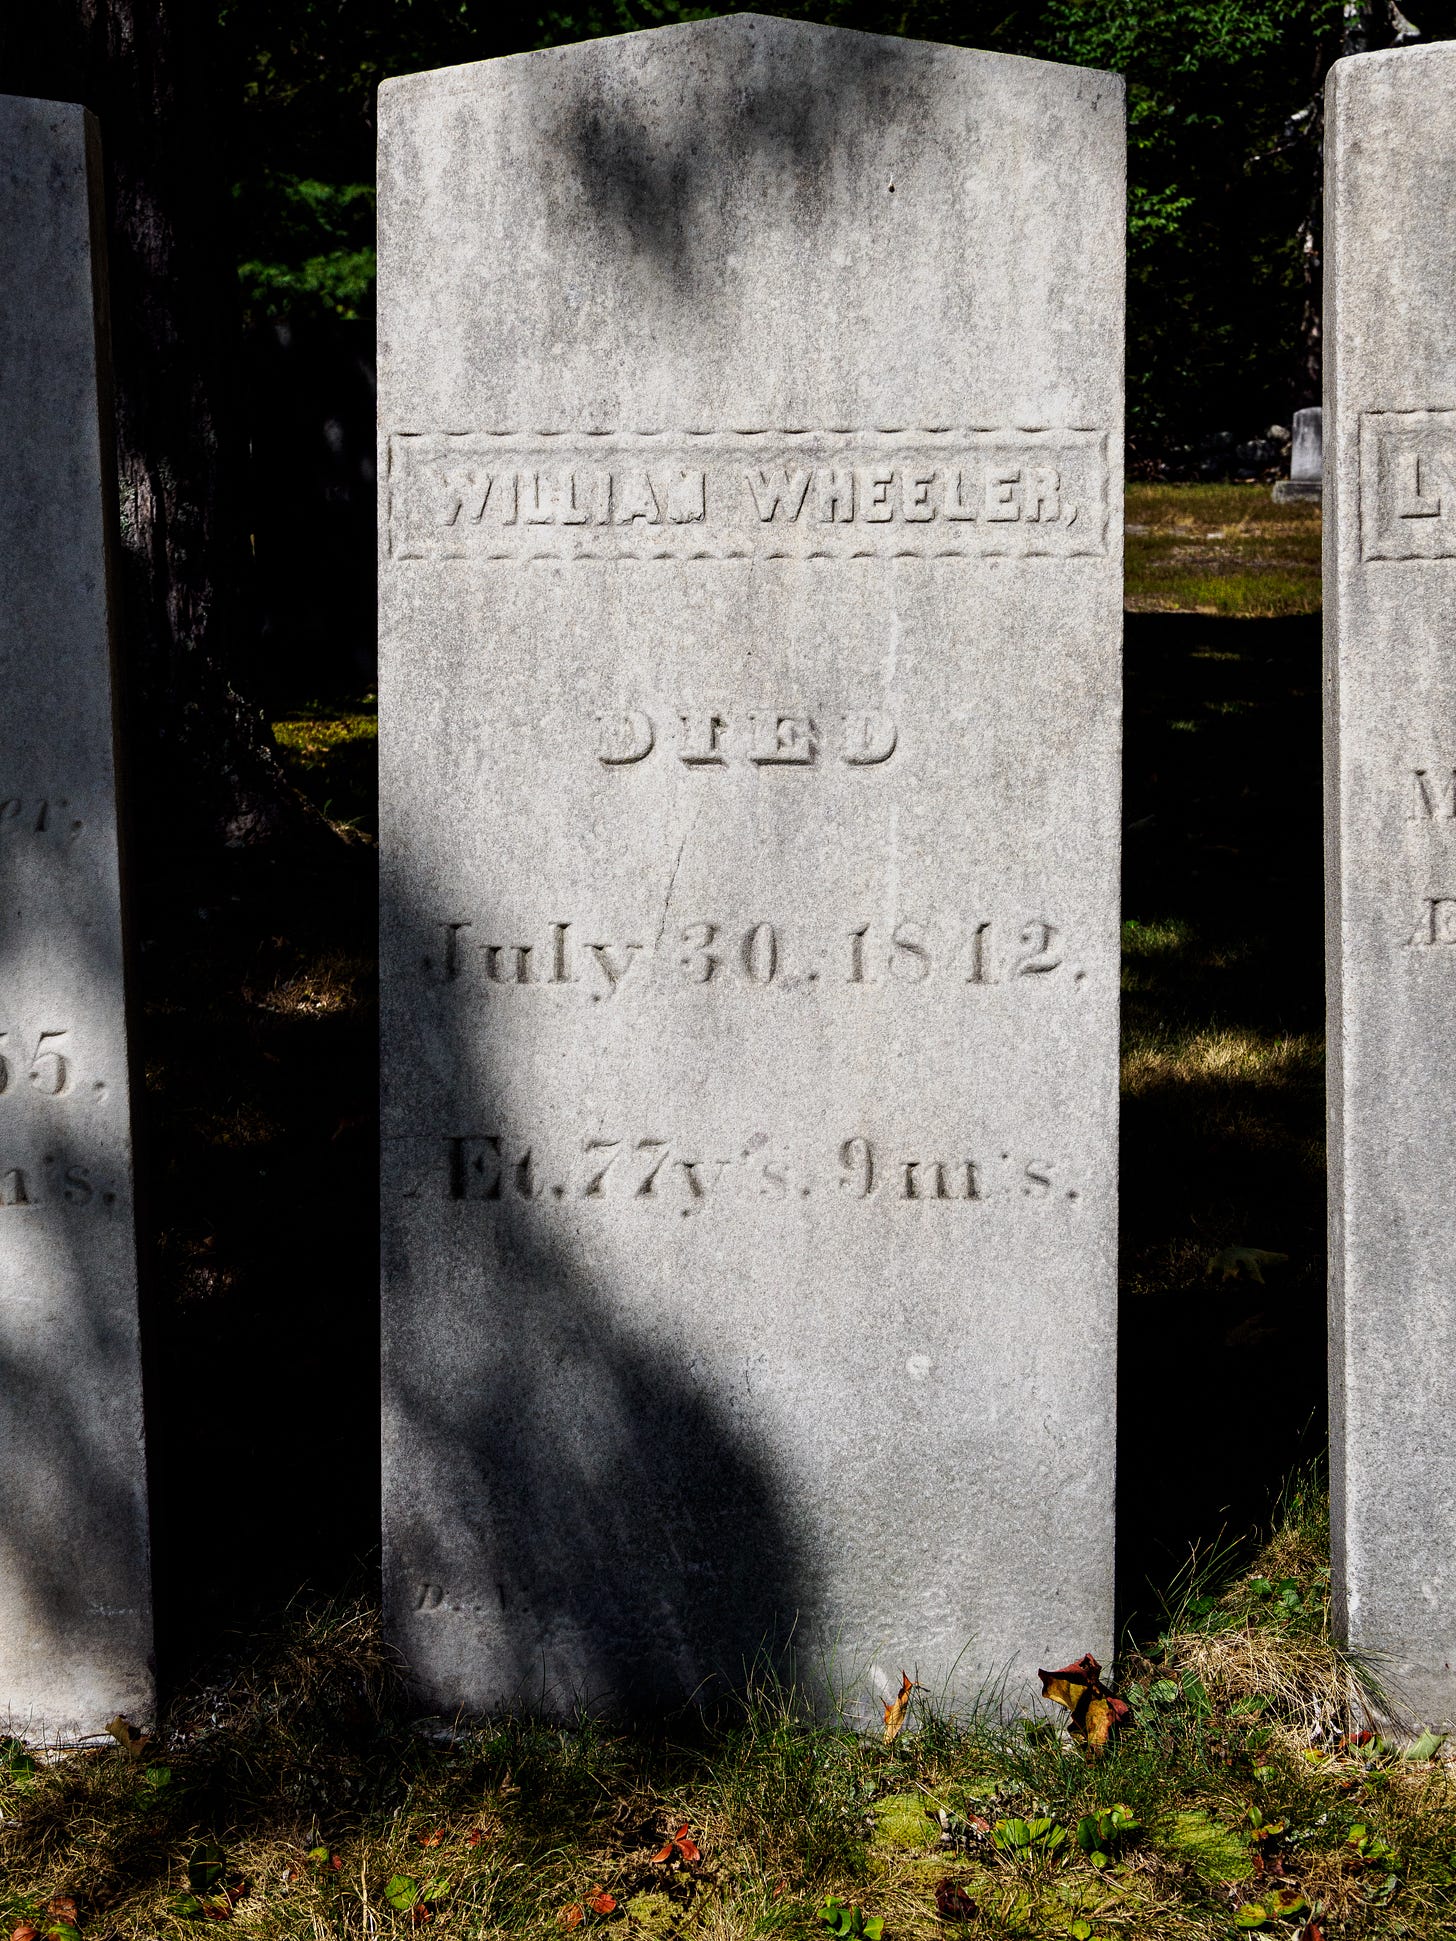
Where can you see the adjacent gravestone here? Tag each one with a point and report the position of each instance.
(1391, 768)
(1306, 459)
(75, 1600)
(751, 433)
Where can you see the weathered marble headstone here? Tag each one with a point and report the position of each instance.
(751, 593)
(1390, 643)
(75, 1599)
(1306, 459)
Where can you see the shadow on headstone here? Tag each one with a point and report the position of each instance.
(611, 1509)
(75, 1592)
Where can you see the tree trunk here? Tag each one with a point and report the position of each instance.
(202, 756)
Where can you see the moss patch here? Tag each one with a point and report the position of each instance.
(900, 1821)
(1216, 1851)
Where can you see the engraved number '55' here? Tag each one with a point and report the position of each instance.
(49, 1070)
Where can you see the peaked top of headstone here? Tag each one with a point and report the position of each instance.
(751, 221)
(746, 29)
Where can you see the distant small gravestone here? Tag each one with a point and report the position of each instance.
(75, 1598)
(751, 440)
(1306, 459)
(1390, 605)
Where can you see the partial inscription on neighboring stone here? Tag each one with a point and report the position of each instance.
(1390, 643)
(1306, 459)
(75, 1598)
(751, 433)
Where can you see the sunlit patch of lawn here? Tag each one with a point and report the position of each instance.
(1231, 1056)
(1220, 549)
(330, 752)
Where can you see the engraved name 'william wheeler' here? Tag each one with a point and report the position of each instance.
(734, 495)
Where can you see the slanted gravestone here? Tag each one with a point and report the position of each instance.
(751, 432)
(75, 1601)
(1306, 460)
(1390, 607)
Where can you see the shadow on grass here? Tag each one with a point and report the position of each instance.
(1222, 1373)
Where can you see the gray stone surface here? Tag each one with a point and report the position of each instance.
(751, 609)
(1306, 459)
(1390, 621)
(75, 1602)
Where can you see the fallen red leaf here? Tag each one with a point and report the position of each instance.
(601, 1902)
(953, 1903)
(433, 1837)
(25, 1932)
(897, 1709)
(474, 1837)
(686, 1845)
(572, 1915)
(336, 1863)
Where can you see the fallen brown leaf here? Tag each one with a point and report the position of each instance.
(601, 1902)
(572, 1915)
(953, 1903)
(62, 1907)
(433, 1837)
(132, 1742)
(1094, 1712)
(897, 1710)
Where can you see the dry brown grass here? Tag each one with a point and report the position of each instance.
(1221, 1054)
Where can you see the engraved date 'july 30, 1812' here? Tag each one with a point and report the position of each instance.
(756, 956)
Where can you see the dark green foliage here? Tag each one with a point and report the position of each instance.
(1225, 126)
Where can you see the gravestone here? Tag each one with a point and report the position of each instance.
(1390, 624)
(1306, 459)
(75, 1599)
(751, 433)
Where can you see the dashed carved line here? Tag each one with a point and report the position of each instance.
(946, 432)
(593, 559)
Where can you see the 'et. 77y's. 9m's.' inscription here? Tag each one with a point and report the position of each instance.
(675, 1175)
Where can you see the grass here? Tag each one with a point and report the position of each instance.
(330, 752)
(291, 1794)
(1220, 549)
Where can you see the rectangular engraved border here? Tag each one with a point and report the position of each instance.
(1372, 424)
(830, 441)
